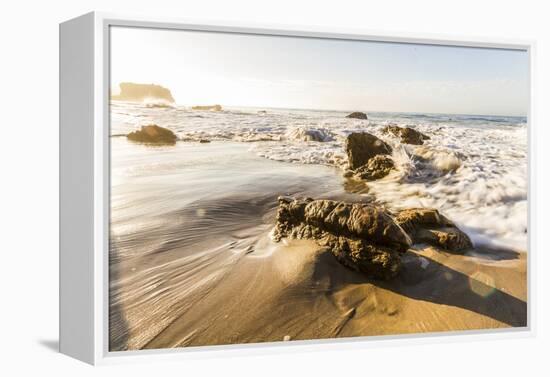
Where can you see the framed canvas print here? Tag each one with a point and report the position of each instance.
(227, 188)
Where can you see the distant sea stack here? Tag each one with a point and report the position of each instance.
(139, 92)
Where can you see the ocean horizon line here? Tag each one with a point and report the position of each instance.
(345, 111)
(367, 111)
(352, 110)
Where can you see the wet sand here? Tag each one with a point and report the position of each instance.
(192, 262)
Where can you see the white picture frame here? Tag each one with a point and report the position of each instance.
(84, 189)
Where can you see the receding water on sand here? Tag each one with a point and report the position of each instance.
(182, 218)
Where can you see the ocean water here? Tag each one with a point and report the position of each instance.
(473, 168)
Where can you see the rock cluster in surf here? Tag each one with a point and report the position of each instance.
(408, 135)
(362, 146)
(365, 237)
(377, 167)
(153, 134)
(368, 156)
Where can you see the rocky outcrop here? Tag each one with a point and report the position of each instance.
(426, 225)
(362, 237)
(208, 108)
(140, 92)
(357, 115)
(408, 135)
(153, 134)
(361, 147)
(378, 167)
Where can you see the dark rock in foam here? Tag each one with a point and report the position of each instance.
(362, 146)
(357, 115)
(378, 167)
(408, 135)
(153, 134)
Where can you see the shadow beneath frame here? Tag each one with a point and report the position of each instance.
(50, 344)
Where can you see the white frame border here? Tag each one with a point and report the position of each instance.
(102, 22)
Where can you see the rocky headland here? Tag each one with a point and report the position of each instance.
(133, 92)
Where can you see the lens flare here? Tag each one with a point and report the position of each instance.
(482, 284)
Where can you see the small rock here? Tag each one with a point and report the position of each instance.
(378, 167)
(153, 134)
(357, 115)
(348, 173)
(408, 135)
(429, 226)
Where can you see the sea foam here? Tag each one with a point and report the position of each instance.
(473, 168)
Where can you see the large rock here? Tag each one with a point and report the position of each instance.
(361, 236)
(357, 115)
(361, 147)
(427, 225)
(133, 92)
(153, 134)
(408, 135)
(378, 167)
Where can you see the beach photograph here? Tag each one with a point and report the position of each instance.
(270, 188)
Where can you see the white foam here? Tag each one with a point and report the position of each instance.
(302, 133)
(473, 169)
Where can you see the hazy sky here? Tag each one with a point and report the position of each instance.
(265, 71)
